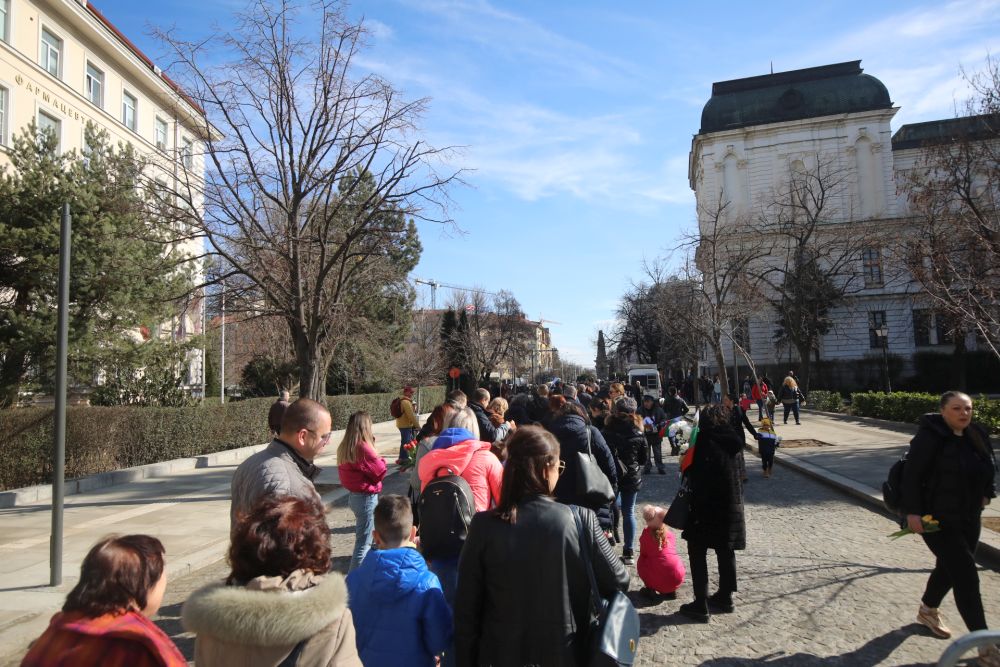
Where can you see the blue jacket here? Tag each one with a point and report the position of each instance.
(400, 614)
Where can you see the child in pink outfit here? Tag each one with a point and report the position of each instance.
(659, 566)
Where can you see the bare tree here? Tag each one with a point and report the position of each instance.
(816, 259)
(954, 252)
(497, 330)
(420, 362)
(316, 170)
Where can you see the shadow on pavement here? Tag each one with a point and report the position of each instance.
(169, 620)
(872, 652)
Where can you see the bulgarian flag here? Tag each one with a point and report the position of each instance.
(689, 454)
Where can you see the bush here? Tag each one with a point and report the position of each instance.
(828, 401)
(909, 407)
(102, 439)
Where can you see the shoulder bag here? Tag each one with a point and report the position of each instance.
(680, 509)
(593, 489)
(614, 635)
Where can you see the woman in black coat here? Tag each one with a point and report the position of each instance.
(716, 519)
(571, 426)
(623, 433)
(523, 591)
(950, 474)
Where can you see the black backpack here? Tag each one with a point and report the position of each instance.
(446, 510)
(892, 487)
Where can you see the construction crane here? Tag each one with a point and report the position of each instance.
(542, 320)
(434, 284)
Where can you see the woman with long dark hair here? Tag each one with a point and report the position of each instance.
(523, 590)
(623, 432)
(716, 518)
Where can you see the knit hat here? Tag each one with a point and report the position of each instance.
(626, 404)
(653, 515)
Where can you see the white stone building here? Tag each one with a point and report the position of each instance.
(757, 132)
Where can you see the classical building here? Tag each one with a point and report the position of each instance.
(64, 64)
(756, 134)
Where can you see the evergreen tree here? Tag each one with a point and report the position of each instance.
(125, 272)
(602, 357)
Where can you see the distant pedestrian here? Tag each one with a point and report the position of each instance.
(758, 393)
(277, 412)
(615, 391)
(653, 421)
(361, 472)
(623, 433)
(739, 420)
(717, 390)
(950, 474)
(280, 604)
(790, 395)
(716, 519)
(286, 467)
(767, 442)
(659, 566)
(407, 422)
(393, 594)
(105, 619)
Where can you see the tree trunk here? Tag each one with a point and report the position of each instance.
(11, 373)
(720, 359)
(805, 366)
(312, 367)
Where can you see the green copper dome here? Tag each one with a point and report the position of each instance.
(786, 96)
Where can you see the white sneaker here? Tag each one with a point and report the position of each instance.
(931, 617)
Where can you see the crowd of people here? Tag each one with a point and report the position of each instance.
(488, 558)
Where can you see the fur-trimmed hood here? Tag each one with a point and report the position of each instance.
(274, 616)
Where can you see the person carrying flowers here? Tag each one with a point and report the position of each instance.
(950, 475)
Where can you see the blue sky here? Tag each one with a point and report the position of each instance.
(577, 116)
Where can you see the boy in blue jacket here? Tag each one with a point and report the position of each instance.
(400, 614)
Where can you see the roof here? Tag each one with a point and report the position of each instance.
(937, 132)
(143, 57)
(794, 95)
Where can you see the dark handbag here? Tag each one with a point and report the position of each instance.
(614, 636)
(593, 489)
(680, 509)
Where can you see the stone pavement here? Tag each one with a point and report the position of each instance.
(187, 510)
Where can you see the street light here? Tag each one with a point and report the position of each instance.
(883, 333)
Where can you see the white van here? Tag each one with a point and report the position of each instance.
(648, 377)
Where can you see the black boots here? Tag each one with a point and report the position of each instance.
(696, 610)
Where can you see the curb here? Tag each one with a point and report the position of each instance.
(987, 554)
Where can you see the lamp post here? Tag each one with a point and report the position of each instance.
(883, 333)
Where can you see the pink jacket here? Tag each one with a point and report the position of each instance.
(660, 569)
(474, 461)
(364, 475)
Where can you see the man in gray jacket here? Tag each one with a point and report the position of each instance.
(286, 467)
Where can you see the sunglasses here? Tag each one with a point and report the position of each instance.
(562, 467)
(322, 438)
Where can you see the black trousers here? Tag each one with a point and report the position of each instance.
(954, 547)
(654, 445)
(698, 557)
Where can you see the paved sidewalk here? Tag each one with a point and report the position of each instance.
(857, 459)
(188, 511)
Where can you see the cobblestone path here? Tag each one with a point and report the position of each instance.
(820, 584)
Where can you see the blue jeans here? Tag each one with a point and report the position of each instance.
(363, 506)
(760, 409)
(405, 436)
(446, 570)
(717, 397)
(626, 500)
(794, 407)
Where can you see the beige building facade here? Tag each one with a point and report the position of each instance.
(64, 64)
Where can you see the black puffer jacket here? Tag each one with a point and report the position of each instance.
(628, 445)
(487, 431)
(948, 475)
(523, 593)
(571, 432)
(658, 417)
(716, 519)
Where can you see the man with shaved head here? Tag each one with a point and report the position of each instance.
(286, 467)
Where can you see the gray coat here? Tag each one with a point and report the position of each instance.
(272, 471)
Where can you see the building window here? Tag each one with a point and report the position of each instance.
(871, 261)
(51, 49)
(4, 20)
(128, 110)
(876, 325)
(95, 85)
(922, 324)
(187, 153)
(161, 134)
(4, 112)
(50, 124)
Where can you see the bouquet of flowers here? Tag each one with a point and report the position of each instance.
(411, 455)
(930, 526)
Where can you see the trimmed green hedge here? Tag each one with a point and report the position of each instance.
(828, 401)
(102, 439)
(908, 407)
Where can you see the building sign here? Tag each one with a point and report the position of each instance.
(50, 99)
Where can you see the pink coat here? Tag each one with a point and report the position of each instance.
(364, 475)
(660, 569)
(476, 464)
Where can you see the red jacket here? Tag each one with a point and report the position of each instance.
(758, 392)
(125, 640)
(660, 569)
(364, 475)
(474, 462)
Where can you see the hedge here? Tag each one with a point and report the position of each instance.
(909, 407)
(828, 401)
(102, 439)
